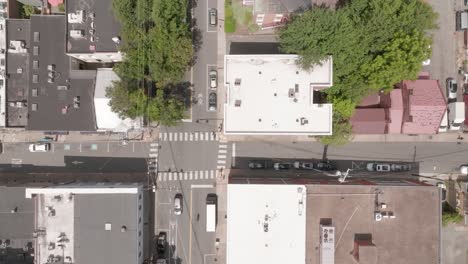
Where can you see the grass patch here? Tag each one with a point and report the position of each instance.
(230, 23)
(450, 215)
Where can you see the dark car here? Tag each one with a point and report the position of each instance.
(257, 164)
(161, 245)
(325, 166)
(212, 100)
(281, 166)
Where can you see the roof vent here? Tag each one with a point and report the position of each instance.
(116, 40)
(123, 229)
(108, 226)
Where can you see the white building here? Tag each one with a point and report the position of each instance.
(266, 224)
(106, 119)
(100, 223)
(272, 95)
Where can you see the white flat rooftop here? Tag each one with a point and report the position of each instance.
(271, 95)
(266, 224)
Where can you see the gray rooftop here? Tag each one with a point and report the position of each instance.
(105, 27)
(412, 237)
(17, 227)
(93, 244)
(50, 99)
(18, 72)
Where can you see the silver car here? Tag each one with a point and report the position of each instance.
(213, 17)
(213, 79)
(451, 88)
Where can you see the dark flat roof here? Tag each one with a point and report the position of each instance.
(50, 100)
(17, 227)
(412, 237)
(17, 68)
(94, 244)
(105, 26)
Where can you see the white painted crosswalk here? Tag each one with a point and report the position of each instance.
(153, 158)
(188, 136)
(187, 175)
(222, 155)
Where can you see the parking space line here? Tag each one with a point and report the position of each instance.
(80, 147)
(107, 146)
(133, 147)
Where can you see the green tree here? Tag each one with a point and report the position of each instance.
(166, 111)
(127, 100)
(450, 215)
(28, 10)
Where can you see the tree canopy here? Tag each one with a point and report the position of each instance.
(374, 44)
(157, 48)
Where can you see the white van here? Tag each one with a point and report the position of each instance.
(444, 123)
(211, 201)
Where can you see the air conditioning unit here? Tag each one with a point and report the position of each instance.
(76, 33)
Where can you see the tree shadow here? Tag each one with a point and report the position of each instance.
(197, 41)
(181, 91)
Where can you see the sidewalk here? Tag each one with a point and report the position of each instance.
(20, 135)
(221, 228)
(443, 137)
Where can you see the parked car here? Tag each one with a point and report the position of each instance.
(400, 167)
(178, 204)
(213, 79)
(325, 165)
(257, 164)
(464, 169)
(426, 62)
(451, 88)
(212, 101)
(373, 166)
(303, 165)
(281, 166)
(213, 17)
(39, 147)
(161, 244)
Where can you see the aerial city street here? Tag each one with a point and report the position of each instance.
(233, 131)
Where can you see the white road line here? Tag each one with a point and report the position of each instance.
(196, 136)
(212, 174)
(207, 174)
(154, 145)
(207, 135)
(222, 151)
(185, 176)
(175, 136)
(181, 136)
(153, 155)
(221, 156)
(170, 136)
(53, 147)
(222, 146)
(186, 136)
(200, 186)
(133, 147)
(189, 175)
(153, 150)
(165, 136)
(220, 167)
(221, 162)
(196, 176)
(80, 147)
(191, 136)
(201, 136)
(160, 136)
(169, 178)
(107, 146)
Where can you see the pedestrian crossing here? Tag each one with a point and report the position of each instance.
(187, 175)
(153, 158)
(188, 136)
(222, 154)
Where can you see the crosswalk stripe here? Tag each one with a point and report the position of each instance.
(184, 176)
(185, 136)
(212, 136)
(153, 150)
(222, 151)
(188, 176)
(221, 156)
(175, 136)
(223, 146)
(154, 144)
(169, 178)
(212, 174)
(196, 176)
(153, 155)
(192, 175)
(160, 136)
(196, 136)
(163, 178)
(221, 162)
(207, 174)
(170, 136)
(181, 136)
(221, 167)
(201, 136)
(207, 135)
(191, 137)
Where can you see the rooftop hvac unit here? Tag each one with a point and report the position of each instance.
(76, 33)
(378, 216)
(327, 244)
(17, 46)
(76, 17)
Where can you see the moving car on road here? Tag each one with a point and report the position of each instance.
(39, 147)
(281, 166)
(464, 169)
(178, 204)
(451, 88)
(257, 164)
(161, 245)
(303, 165)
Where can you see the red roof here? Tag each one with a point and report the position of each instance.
(396, 112)
(371, 100)
(369, 121)
(426, 106)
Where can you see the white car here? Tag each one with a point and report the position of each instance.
(213, 79)
(39, 147)
(378, 167)
(426, 62)
(178, 204)
(464, 169)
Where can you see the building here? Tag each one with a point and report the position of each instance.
(106, 119)
(93, 33)
(16, 226)
(271, 228)
(272, 95)
(357, 222)
(101, 223)
(414, 107)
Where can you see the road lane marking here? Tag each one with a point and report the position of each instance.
(233, 154)
(107, 146)
(80, 147)
(133, 147)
